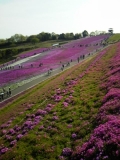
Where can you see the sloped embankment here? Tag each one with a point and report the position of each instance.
(104, 142)
(74, 115)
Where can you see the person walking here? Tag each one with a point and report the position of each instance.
(9, 91)
(2, 96)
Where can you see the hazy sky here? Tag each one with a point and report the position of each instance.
(29, 17)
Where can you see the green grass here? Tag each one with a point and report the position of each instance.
(114, 38)
(45, 44)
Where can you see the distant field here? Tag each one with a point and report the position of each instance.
(45, 44)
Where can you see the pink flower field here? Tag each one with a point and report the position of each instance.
(29, 64)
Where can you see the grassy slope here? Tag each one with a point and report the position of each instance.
(44, 44)
(114, 38)
(80, 113)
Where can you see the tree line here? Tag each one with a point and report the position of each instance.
(43, 36)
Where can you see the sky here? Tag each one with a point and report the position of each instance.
(30, 17)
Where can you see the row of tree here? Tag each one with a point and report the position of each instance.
(44, 36)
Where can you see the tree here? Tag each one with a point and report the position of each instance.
(97, 32)
(103, 32)
(17, 38)
(9, 53)
(61, 36)
(14, 51)
(77, 35)
(34, 40)
(2, 40)
(85, 33)
(2, 54)
(92, 34)
(53, 36)
(30, 38)
(69, 36)
(44, 36)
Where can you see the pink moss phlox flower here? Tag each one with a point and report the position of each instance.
(3, 150)
(4, 132)
(19, 136)
(40, 112)
(24, 131)
(61, 158)
(38, 117)
(4, 126)
(65, 104)
(41, 127)
(112, 93)
(17, 128)
(66, 152)
(69, 99)
(49, 105)
(114, 71)
(8, 137)
(58, 91)
(63, 91)
(32, 115)
(10, 121)
(72, 91)
(58, 98)
(54, 113)
(28, 123)
(106, 134)
(12, 143)
(55, 118)
(109, 109)
(74, 135)
(49, 127)
(11, 131)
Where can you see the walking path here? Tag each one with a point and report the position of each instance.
(42, 78)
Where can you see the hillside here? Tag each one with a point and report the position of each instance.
(74, 115)
(114, 38)
(39, 61)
